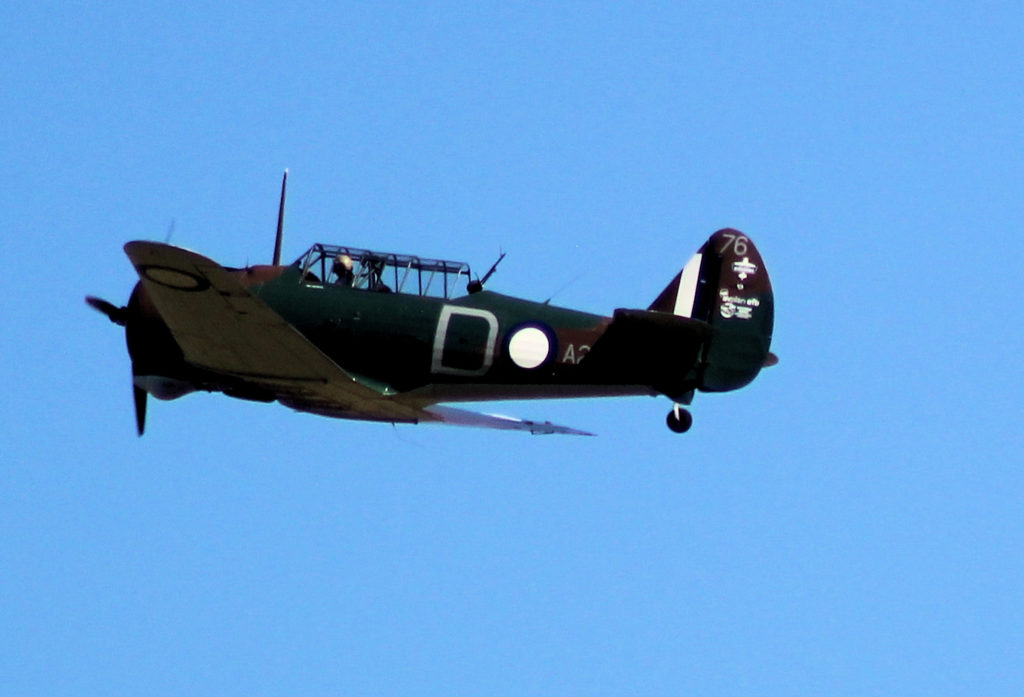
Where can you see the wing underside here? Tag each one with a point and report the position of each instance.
(224, 329)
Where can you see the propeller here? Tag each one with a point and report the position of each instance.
(140, 408)
(117, 315)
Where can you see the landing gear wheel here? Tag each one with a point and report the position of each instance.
(679, 420)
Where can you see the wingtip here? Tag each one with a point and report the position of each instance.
(462, 417)
(548, 428)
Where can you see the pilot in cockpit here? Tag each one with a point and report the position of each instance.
(343, 270)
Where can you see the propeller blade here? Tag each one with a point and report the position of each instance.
(114, 313)
(140, 408)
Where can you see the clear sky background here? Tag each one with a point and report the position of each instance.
(850, 524)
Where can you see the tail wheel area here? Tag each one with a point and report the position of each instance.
(679, 420)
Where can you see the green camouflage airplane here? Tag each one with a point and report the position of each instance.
(357, 334)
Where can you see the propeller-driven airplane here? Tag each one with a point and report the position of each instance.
(359, 334)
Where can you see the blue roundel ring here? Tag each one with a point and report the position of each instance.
(531, 345)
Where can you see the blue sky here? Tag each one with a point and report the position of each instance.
(850, 524)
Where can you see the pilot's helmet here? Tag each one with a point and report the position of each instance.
(343, 264)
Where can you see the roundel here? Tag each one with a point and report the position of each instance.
(174, 278)
(530, 346)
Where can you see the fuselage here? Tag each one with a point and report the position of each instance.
(478, 346)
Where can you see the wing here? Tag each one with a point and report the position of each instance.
(462, 417)
(223, 328)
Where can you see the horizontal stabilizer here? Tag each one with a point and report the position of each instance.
(651, 348)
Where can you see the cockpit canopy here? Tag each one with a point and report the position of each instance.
(327, 264)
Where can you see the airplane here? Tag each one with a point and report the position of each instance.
(359, 334)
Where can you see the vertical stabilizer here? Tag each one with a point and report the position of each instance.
(726, 285)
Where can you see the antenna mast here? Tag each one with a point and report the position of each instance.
(280, 222)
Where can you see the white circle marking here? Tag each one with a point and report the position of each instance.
(529, 347)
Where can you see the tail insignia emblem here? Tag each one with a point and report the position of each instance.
(744, 268)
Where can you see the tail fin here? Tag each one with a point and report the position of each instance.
(726, 285)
